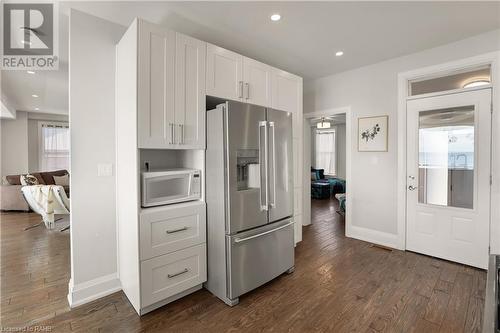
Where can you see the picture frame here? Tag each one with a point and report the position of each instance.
(373, 134)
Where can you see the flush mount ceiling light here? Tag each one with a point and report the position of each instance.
(275, 17)
(30, 72)
(323, 124)
(476, 83)
(34, 95)
(339, 53)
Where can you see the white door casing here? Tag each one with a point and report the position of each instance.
(438, 220)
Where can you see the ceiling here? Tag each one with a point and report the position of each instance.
(304, 41)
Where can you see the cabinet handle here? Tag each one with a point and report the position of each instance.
(240, 89)
(180, 134)
(171, 133)
(185, 270)
(247, 85)
(176, 230)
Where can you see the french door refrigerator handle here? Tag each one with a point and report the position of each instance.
(263, 166)
(240, 89)
(273, 135)
(239, 240)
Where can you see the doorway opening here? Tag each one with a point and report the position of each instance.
(327, 154)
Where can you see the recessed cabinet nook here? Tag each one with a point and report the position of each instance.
(163, 81)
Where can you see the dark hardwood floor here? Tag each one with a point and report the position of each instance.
(339, 285)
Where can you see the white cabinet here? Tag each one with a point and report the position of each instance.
(224, 73)
(168, 275)
(233, 76)
(287, 91)
(189, 90)
(171, 89)
(256, 82)
(171, 228)
(155, 86)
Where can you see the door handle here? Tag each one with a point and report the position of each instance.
(273, 136)
(185, 270)
(412, 188)
(247, 85)
(239, 240)
(240, 89)
(263, 164)
(176, 230)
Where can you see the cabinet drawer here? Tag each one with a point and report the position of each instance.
(170, 274)
(172, 228)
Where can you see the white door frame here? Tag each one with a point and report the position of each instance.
(492, 59)
(348, 140)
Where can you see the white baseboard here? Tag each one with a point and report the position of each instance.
(91, 290)
(374, 236)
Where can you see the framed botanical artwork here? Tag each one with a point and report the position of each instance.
(373, 133)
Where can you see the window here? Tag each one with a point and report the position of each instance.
(325, 152)
(53, 146)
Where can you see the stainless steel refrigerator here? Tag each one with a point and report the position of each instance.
(249, 194)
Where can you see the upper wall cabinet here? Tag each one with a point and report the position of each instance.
(224, 73)
(190, 55)
(233, 76)
(287, 91)
(171, 89)
(256, 82)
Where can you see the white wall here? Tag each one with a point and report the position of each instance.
(14, 137)
(340, 136)
(91, 116)
(373, 90)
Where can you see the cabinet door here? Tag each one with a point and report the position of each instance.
(224, 73)
(156, 55)
(287, 91)
(257, 82)
(190, 59)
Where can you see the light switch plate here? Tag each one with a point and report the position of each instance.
(104, 170)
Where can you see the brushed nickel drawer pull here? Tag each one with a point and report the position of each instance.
(185, 270)
(176, 230)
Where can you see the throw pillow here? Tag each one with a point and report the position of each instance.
(28, 180)
(62, 180)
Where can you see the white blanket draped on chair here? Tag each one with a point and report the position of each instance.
(47, 200)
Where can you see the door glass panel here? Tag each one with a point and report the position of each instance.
(158, 188)
(446, 157)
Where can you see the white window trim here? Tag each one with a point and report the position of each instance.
(40, 148)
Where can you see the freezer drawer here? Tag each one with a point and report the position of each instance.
(258, 256)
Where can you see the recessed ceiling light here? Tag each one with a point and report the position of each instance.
(37, 109)
(30, 72)
(275, 17)
(339, 53)
(34, 95)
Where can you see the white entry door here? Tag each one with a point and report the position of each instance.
(448, 176)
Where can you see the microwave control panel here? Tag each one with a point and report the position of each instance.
(196, 185)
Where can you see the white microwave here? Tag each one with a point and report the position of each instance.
(170, 186)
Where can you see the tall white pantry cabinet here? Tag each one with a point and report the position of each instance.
(162, 80)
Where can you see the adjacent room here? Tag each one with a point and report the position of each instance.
(264, 166)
